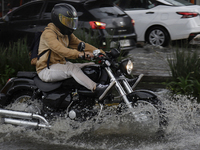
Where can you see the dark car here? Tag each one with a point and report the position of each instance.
(99, 20)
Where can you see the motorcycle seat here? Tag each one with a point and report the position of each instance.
(46, 86)
(26, 74)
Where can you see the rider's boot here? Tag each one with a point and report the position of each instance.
(100, 88)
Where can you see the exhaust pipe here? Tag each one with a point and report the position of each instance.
(23, 115)
(24, 123)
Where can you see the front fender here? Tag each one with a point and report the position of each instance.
(147, 93)
(142, 95)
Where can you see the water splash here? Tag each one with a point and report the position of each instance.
(113, 132)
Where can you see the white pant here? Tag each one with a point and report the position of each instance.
(58, 72)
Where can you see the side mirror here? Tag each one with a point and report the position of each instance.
(115, 53)
(81, 47)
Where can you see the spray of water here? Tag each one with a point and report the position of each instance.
(112, 131)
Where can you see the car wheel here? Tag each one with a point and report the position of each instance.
(158, 36)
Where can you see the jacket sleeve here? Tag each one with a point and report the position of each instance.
(51, 40)
(74, 41)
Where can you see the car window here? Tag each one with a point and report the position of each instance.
(47, 13)
(27, 12)
(136, 4)
(81, 12)
(177, 2)
(106, 12)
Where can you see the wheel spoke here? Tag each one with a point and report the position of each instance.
(146, 110)
(157, 37)
(24, 103)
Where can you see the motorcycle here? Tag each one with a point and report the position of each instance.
(28, 101)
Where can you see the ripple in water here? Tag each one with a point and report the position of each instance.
(114, 132)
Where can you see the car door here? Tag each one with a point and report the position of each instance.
(23, 21)
(143, 12)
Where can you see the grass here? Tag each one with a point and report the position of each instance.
(185, 69)
(13, 58)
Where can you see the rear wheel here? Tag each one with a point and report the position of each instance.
(158, 36)
(22, 101)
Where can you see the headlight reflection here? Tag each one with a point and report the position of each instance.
(129, 67)
(126, 66)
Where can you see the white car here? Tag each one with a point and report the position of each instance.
(160, 21)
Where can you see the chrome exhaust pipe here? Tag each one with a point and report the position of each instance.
(22, 115)
(24, 123)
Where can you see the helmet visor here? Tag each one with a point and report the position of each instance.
(71, 23)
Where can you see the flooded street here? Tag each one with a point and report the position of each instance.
(151, 60)
(182, 132)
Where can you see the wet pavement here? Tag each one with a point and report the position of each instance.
(152, 62)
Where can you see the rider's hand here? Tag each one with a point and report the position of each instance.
(89, 55)
(81, 55)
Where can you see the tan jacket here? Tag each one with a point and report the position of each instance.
(60, 47)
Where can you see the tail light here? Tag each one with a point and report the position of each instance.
(188, 14)
(133, 22)
(9, 80)
(97, 25)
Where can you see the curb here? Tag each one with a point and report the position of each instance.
(154, 75)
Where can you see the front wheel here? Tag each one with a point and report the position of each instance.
(147, 114)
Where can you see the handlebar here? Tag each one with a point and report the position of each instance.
(85, 56)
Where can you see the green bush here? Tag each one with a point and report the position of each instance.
(13, 58)
(185, 69)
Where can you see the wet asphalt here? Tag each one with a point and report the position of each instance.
(152, 62)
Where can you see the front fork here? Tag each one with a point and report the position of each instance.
(119, 87)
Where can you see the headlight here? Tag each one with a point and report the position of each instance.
(126, 66)
(129, 67)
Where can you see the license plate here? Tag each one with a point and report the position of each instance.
(125, 43)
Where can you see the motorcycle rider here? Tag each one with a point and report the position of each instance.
(59, 38)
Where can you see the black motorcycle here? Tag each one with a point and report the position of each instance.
(26, 100)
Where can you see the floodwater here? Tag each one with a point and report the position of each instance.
(182, 133)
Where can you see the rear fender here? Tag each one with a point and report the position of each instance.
(13, 86)
(16, 84)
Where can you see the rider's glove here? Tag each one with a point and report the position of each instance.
(96, 52)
